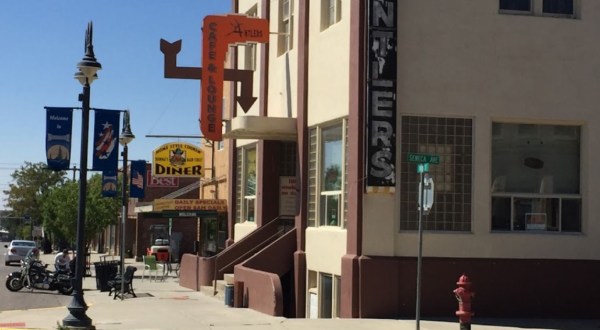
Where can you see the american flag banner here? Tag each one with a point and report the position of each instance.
(137, 181)
(106, 140)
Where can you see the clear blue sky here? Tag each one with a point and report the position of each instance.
(41, 41)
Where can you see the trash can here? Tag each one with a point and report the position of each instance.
(229, 295)
(105, 271)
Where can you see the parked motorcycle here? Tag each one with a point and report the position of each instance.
(34, 275)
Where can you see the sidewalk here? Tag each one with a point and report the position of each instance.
(166, 305)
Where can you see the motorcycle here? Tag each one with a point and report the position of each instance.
(34, 275)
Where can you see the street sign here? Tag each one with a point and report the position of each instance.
(424, 158)
(427, 192)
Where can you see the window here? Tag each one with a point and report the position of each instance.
(324, 297)
(535, 178)
(516, 5)
(560, 8)
(246, 184)
(452, 140)
(250, 49)
(286, 25)
(327, 180)
(331, 13)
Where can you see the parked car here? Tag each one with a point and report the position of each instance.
(17, 250)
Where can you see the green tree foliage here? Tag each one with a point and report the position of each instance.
(61, 207)
(30, 184)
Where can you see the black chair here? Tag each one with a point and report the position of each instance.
(115, 284)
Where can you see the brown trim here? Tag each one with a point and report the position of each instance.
(350, 275)
(302, 162)
(232, 151)
(263, 109)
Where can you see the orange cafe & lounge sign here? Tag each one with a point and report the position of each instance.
(168, 204)
(178, 160)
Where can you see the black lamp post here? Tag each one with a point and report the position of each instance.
(125, 138)
(85, 75)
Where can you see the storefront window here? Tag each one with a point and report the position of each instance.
(535, 177)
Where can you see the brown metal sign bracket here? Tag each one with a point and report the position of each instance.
(170, 50)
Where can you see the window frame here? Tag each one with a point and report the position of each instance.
(317, 192)
(330, 13)
(537, 8)
(243, 197)
(286, 26)
(540, 198)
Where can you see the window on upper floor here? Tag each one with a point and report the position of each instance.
(557, 8)
(250, 48)
(286, 26)
(331, 13)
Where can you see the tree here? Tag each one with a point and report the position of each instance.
(30, 183)
(61, 206)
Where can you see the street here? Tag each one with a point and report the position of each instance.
(26, 299)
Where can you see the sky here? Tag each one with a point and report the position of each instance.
(41, 42)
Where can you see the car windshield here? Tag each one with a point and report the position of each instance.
(30, 244)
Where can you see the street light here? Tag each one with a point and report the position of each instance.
(86, 74)
(125, 138)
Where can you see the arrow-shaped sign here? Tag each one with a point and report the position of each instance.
(171, 49)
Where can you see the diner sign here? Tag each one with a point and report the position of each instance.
(178, 160)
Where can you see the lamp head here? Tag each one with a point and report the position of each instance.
(126, 136)
(88, 66)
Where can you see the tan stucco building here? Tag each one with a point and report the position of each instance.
(503, 91)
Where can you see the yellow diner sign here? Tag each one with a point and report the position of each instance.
(168, 204)
(178, 159)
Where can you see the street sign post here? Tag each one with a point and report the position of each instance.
(426, 193)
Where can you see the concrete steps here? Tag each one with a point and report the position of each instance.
(228, 279)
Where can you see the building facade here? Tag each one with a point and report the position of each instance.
(503, 91)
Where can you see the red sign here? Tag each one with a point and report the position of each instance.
(218, 32)
(153, 181)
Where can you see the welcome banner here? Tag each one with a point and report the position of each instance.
(106, 136)
(59, 123)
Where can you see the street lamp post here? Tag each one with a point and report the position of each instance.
(86, 74)
(125, 138)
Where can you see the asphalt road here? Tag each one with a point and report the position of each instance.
(25, 299)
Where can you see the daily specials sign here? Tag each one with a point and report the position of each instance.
(381, 94)
(178, 160)
(168, 204)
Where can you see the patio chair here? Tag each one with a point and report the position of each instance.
(126, 279)
(150, 265)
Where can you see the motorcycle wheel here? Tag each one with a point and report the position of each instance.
(66, 290)
(14, 284)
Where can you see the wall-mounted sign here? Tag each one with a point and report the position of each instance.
(153, 181)
(381, 94)
(178, 160)
(168, 204)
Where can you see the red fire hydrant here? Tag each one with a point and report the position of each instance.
(464, 295)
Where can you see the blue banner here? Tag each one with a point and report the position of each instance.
(109, 183)
(138, 179)
(106, 140)
(59, 122)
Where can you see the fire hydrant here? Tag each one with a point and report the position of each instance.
(464, 295)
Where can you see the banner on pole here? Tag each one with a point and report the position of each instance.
(109, 183)
(106, 135)
(137, 179)
(59, 122)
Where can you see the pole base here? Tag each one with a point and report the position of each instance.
(77, 319)
(465, 326)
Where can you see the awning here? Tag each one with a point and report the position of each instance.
(261, 128)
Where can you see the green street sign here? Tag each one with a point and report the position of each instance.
(424, 158)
